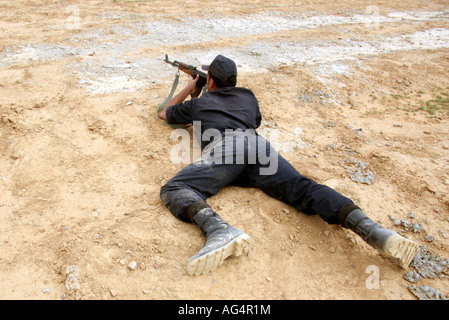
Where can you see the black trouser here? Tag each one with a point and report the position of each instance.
(242, 161)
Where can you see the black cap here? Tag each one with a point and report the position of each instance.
(224, 69)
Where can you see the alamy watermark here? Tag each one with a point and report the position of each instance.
(374, 17)
(373, 280)
(233, 146)
(73, 21)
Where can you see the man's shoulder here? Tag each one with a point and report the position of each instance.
(232, 90)
(242, 89)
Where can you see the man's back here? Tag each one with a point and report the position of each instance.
(221, 109)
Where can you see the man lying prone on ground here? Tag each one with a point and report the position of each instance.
(241, 157)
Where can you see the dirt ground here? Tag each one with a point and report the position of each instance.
(353, 93)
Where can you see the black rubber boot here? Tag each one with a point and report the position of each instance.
(388, 242)
(222, 241)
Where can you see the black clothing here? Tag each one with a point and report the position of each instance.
(225, 108)
(255, 163)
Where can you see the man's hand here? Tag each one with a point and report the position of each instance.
(192, 83)
(181, 96)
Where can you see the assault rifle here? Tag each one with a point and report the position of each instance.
(193, 71)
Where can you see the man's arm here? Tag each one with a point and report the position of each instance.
(180, 97)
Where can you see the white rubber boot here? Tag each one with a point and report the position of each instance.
(222, 241)
(388, 242)
(400, 249)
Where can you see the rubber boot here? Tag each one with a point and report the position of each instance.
(222, 241)
(388, 242)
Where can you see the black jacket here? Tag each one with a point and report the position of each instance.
(227, 108)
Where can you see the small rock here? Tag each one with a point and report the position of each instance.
(132, 265)
(72, 281)
(417, 227)
(426, 293)
(405, 223)
(412, 276)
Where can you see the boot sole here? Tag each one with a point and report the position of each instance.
(401, 249)
(214, 259)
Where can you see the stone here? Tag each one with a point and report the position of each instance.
(72, 281)
(132, 265)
